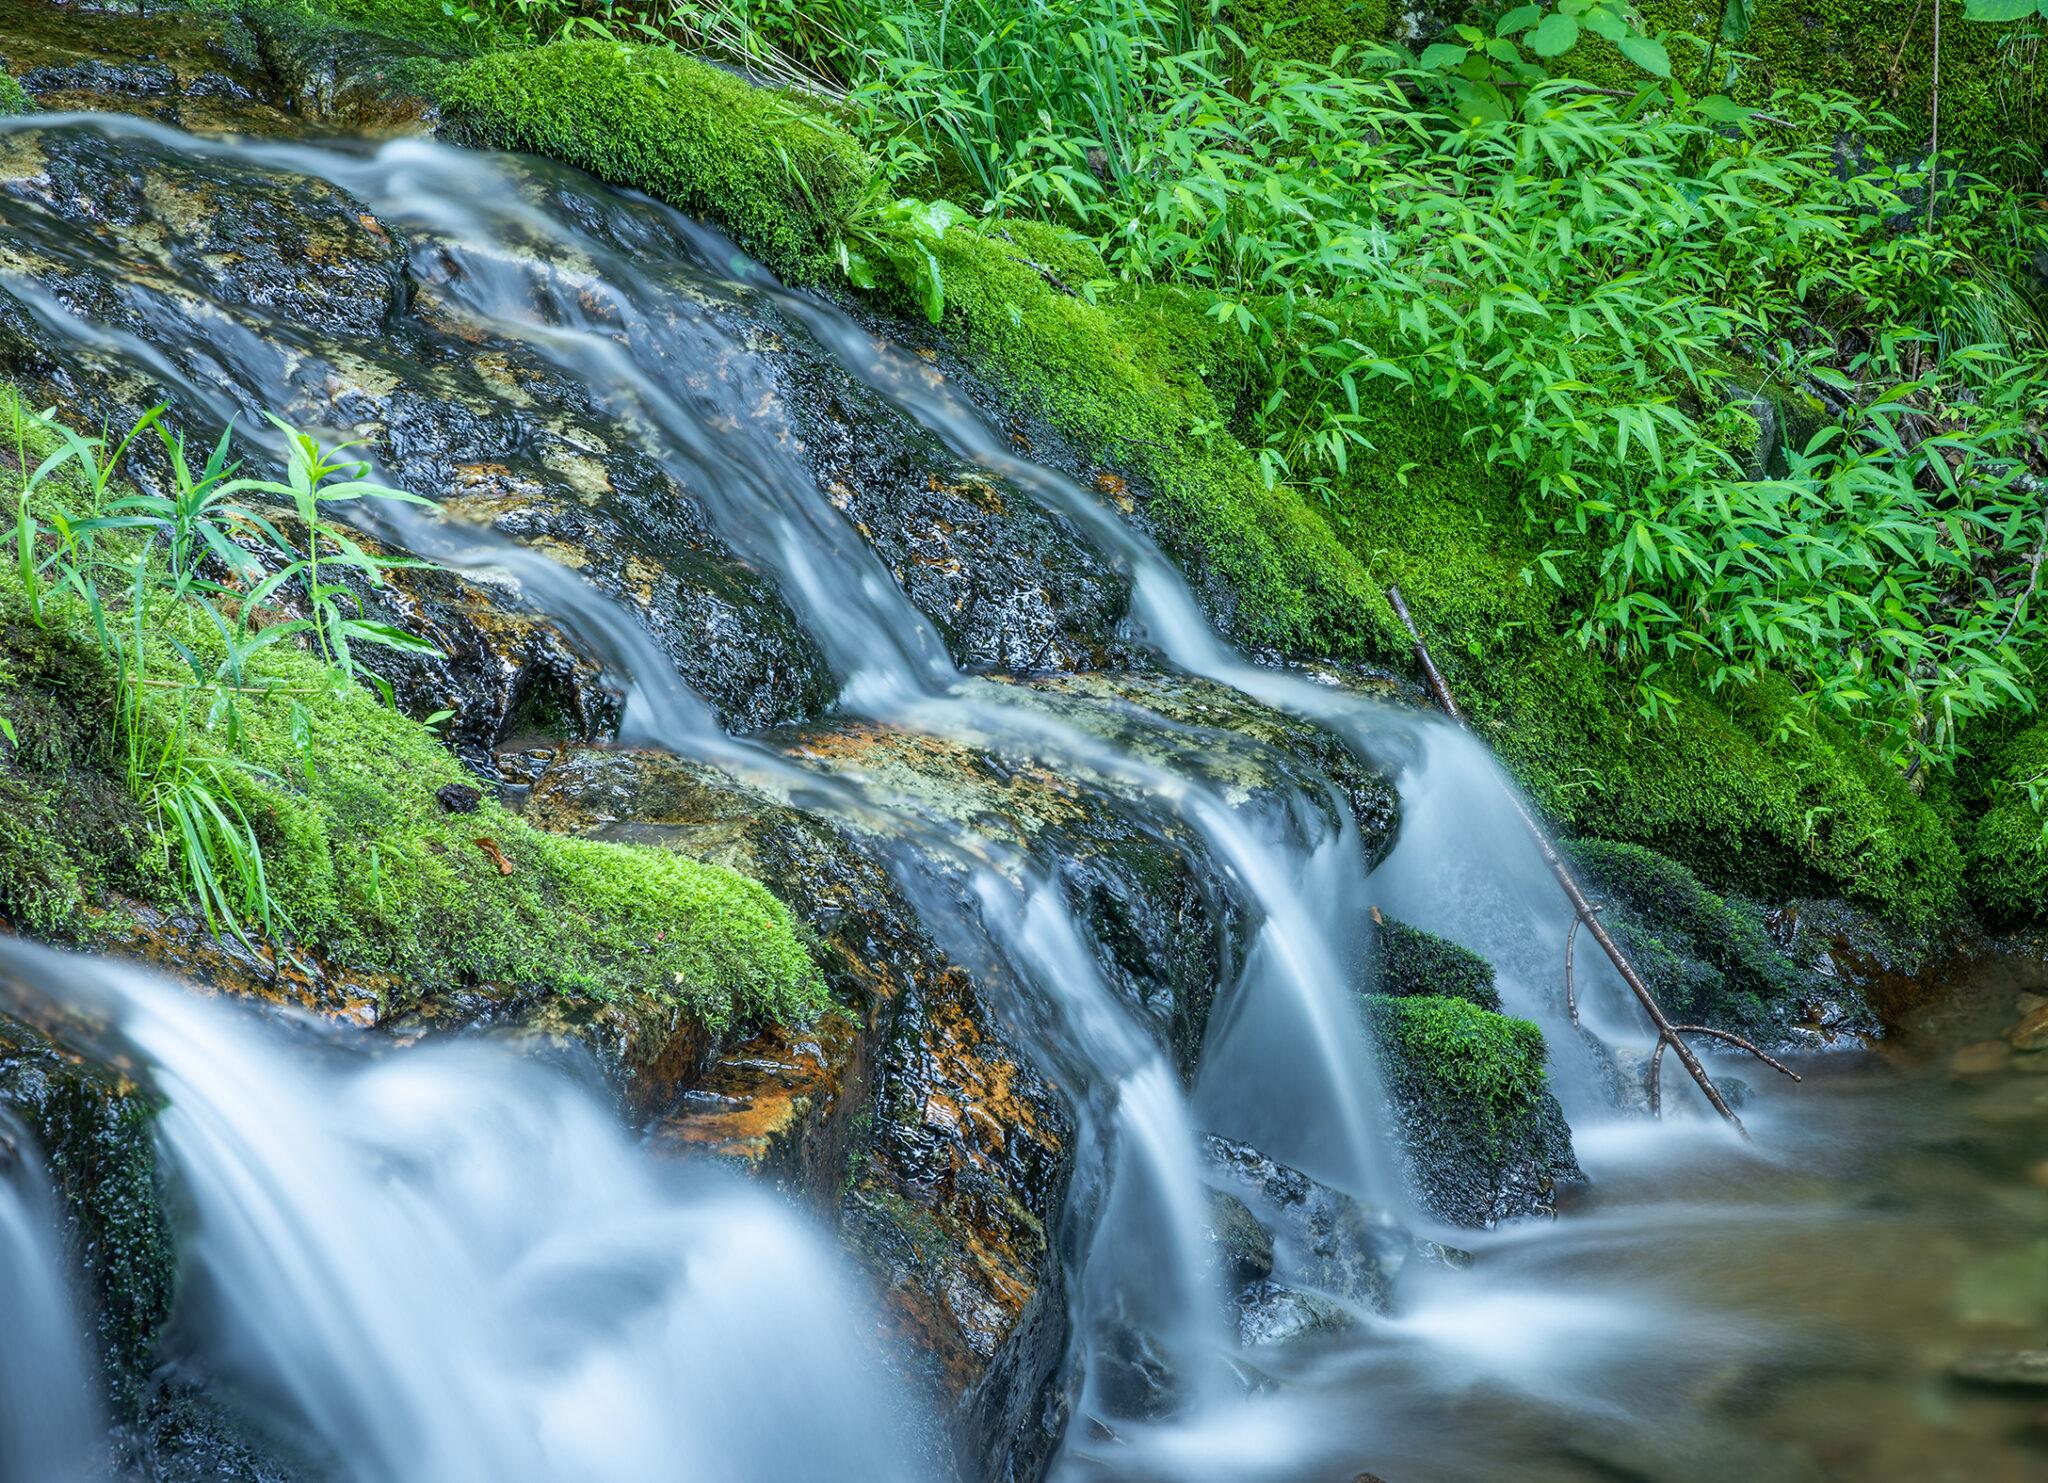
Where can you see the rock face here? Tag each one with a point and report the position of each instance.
(1299, 1258)
(909, 1113)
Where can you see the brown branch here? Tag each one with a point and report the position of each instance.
(1733, 1039)
(1571, 998)
(1568, 883)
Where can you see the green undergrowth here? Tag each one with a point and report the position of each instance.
(1411, 962)
(1994, 85)
(783, 183)
(1745, 788)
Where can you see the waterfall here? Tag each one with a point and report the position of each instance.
(49, 1429)
(488, 1280)
(452, 1263)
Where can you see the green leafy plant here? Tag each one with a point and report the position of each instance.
(154, 577)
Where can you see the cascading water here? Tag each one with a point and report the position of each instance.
(610, 308)
(451, 1264)
(611, 1325)
(49, 1429)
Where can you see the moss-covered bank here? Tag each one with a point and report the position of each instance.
(378, 852)
(781, 182)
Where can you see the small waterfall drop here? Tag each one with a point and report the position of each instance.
(49, 1422)
(451, 1263)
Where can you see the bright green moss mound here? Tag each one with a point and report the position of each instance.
(364, 860)
(1994, 84)
(2008, 846)
(1469, 1066)
(13, 97)
(648, 117)
(1413, 962)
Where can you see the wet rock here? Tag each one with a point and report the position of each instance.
(277, 293)
(1009, 586)
(459, 799)
(195, 68)
(2031, 1033)
(358, 80)
(945, 1154)
(1322, 1239)
(1243, 1245)
(1269, 1315)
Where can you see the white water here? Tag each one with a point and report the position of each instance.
(49, 1423)
(392, 1200)
(450, 1263)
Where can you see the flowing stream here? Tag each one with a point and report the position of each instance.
(487, 1280)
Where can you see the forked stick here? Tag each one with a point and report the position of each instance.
(1582, 909)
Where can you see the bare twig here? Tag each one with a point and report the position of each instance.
(1733, 1039)
(1667, 1033)
(1934, 107)
(1571, 997)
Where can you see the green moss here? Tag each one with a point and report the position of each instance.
(1472, 1068)
(1413, 962)
(1708, 959)
(1308, 32)
(68, 832)
(1994, 86)
(780, 180)
(2007, 847)
(371, 868)
(13, 97)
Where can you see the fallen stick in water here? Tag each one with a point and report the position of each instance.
(1586, 913)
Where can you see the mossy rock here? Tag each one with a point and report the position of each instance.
(1412, 962)
(782, 181)
(2007, 847)
(365, 862)
(1484, 1139)
(1708, 959)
